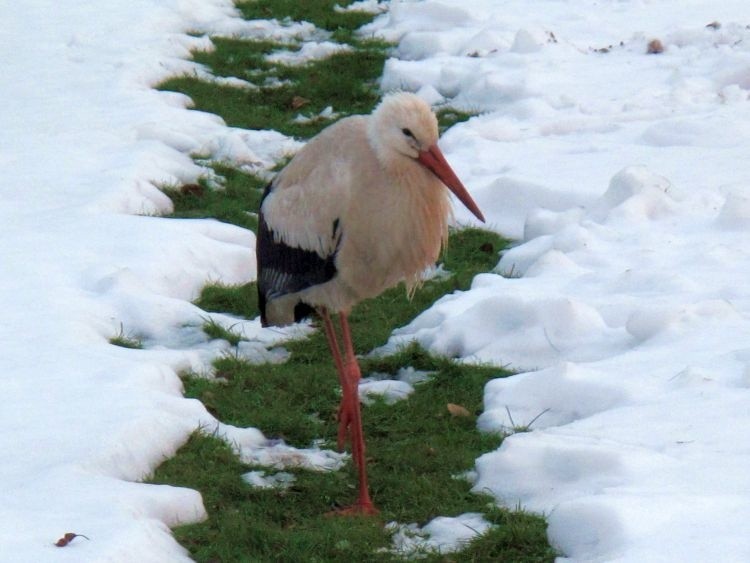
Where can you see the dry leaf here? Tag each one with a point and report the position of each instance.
(67, 538)
(655, 47)
(299, 101)
(487, 247)
(192, 189)
(458, 410)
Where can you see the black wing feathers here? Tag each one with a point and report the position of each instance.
(283, 269)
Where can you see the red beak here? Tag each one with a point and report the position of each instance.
(435, 162)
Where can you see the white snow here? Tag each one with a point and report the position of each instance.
(391, 389)
(623, 175)
(85, 142)
(259, 479)
(281, 456)
(625, 304)
(326, 114)
(368, 6)
(309, 51)
(442, 535)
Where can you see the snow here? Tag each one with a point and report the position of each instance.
(624, 306)
(280, 456)
(326, 114)
(391, 389)
(309, 51)
(368, 6)
(86, 142)
(259, 479)
(441, 535)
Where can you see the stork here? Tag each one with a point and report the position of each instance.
(361, 207)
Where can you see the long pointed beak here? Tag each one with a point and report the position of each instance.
(435, 162)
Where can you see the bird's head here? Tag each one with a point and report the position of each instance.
(404, 126)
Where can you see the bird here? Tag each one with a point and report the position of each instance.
(363, 206)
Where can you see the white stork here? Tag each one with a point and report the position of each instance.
(360, 208)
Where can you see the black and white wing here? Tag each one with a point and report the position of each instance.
(295, 250)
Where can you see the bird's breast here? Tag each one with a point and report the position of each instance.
(392, 237)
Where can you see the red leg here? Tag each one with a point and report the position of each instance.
(351, 369)
(350, 418)
(332, 342)
(344, 416)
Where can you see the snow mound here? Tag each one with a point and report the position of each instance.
(259, 479)
(623, 177)
(441, 535)
(391, 388)
(309, 51)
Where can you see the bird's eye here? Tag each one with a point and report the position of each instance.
(407, 132)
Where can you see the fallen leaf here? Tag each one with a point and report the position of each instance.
(655, 47)
(487, 247)
(67, 538)
(299, 101)
(192, 189)
(458, 410)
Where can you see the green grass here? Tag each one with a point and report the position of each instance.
(124, 340)
(319, 12)
(415, 448)
(345, 81)
(215, 331)
(447, 118)
(235, 203)
(241, 301)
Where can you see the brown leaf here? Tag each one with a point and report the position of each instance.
(655, 47)
(299, 101)
(458, 410)
(192, 189)
(487, 247)
(67, 538)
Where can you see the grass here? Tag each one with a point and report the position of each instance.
(346, 81)
(215, 331)
(234, 203)
(416, 448)
(241, 301)
(448, 117)
(126, 340)
(319, 12)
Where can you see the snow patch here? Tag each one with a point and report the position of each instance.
(441, 535)
(309, 51)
